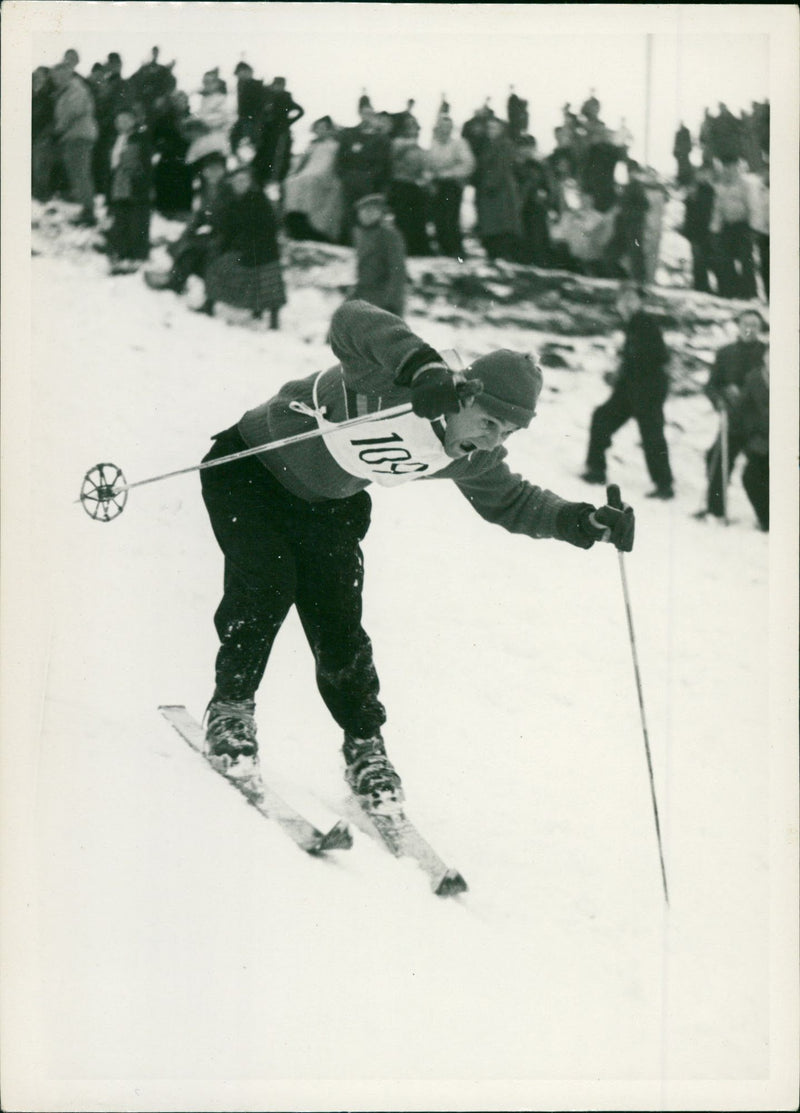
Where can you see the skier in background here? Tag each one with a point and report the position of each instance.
(290, 521)
(639, 391)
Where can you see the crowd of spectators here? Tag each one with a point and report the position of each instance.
(222, 162)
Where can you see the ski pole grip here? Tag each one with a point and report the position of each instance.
(613, 495)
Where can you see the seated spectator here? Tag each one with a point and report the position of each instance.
(245, 269)
(450, 165)
(380, 257)
(408, 198)
(128, 237)
(584, 235)
(312, 199)
(192, 250)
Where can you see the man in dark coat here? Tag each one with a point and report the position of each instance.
(640, 390)
(363, 162)
(753, 420)
(732, 365)
(698, 207)
(682, 149)
(273, 154)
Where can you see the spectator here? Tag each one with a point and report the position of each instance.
(626, 249)
(496, 195)
(172, 178)
(726, 136)
(534, 194)
(752, 420)
(758, 186)
(732, 365)
(151, 81)
(312, 199)
(380, 257)
(211, 124)
(517, 115)
(476, 131)
(730, 225)
(245, 268)
(274, 147)
(581, 238)
(681, 150)
(698, 206)
(42, 140)
(363, 162)
(408, 199)
(111, 96)
(250, 97)
(129, 196)
(450, 164)
(192, 250)
(640, 390)
(600, 160)
(75, 130)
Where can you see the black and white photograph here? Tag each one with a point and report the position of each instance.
(399, 582)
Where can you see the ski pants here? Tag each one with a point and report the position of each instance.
(281, 550)
(649, 415)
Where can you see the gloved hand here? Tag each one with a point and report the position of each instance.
(615, 521)
(436, 391)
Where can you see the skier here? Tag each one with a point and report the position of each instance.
(290, 521)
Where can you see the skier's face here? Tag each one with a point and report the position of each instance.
(474, 428)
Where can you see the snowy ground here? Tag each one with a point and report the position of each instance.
(181, 953)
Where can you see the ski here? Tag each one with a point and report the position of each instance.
(263, 798)
(402, 838)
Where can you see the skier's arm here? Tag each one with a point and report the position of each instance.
(506, 499)
(376, 348)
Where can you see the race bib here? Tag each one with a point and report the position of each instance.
(389, 451)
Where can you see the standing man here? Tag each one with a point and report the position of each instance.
(732, 365)
(75, 129)
(640, 391)
(290, 521)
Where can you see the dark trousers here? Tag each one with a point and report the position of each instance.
(76, 155)
(190, 256)
(762, 242)
(281, 551)
(702, 265)
(735, 271)
(42, 159)
(409, 204)
(612, 415)
(714, 499)
(446, 212)
(129, 234)
(755, 479)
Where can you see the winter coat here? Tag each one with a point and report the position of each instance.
(315, 190)
(497, 198)
(73, 112)
(381, 269)
(377, 355)
(732, 365)
(452, 159)
(408, 161)
(643, 361)
(752, 413)
(42, 113)
(363, 162)
(246, 227)
(731, 203)
(698, 207)
(131, 170)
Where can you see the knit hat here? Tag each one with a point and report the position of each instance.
(512, 382)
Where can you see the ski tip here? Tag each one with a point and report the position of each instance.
(338, 838)
(450, 885)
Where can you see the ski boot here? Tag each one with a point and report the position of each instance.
(371, 775)
(231, 743)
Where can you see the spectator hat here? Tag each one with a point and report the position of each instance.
(512, 383)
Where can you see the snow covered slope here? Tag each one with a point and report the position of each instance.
(180, 942)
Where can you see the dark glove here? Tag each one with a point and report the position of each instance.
(614, 522)
(435, 391)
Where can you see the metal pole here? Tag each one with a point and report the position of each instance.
(394, 411)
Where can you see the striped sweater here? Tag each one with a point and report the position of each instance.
(372, 347)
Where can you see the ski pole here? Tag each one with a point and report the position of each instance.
(723, 441)
(615, 500)
(104, 491)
